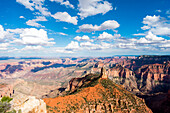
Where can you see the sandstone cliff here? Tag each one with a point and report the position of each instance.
(125, 77)
(152, 75)
(157, 72)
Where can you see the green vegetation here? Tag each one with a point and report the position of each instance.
(5, 105)
(19, 111)
(6, 99)
(93, 78)
(51, 108)
(92, 83)
(107, 83)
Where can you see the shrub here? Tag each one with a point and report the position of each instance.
(5, 105)
(6, 99)
(107, 83)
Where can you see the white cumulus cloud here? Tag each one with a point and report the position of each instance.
(32, 48)
(151, 20)
(153, 37)
(26, 3)
(107, 36)
(83, 38)
(2, 33)
(72, 46)
(143, 41)
(33, 37)
(145, 27)
(33, 22)
(93, 7)
(65, 17)
(86, 44)
(22, 17)
(161, 30)
(157, 25)
(62, 2)
(139, 34)
(15, 31)
(107, 25)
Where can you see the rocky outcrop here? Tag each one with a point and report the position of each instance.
(123, 76)
(135, 64)
(104, 96)
(157, 72)
(151, 76)
(28, 104)
(103, 73)
(76, 83)
(145, 79)
(120, 71)
(6, 90)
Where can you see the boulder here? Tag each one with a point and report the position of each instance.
(28, 104)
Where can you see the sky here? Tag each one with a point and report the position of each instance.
(81, 28)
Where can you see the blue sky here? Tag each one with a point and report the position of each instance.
(54, 28)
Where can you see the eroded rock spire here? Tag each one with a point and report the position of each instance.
(103, 73)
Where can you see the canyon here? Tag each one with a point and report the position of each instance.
(145, 76)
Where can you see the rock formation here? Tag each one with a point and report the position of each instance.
(103, 73)
(123, 76)
(44, 77)
(76, 83)
(6, 90)
(145, 79)
(28, 104)
(152, 75)
(97, 95)
(157, 72)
